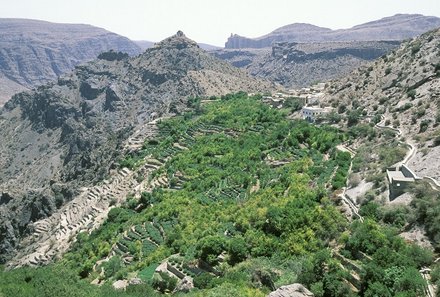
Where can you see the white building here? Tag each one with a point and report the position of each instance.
(310, 113)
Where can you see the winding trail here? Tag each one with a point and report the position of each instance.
(345, 198)
(435, 185)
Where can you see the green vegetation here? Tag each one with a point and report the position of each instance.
(411, 93)
(246, 210)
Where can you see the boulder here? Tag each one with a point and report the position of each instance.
(293, 290)
(185, 285)
(120, 284)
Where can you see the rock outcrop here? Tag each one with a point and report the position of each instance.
(35, 52)
(294, 290)
(67, 135)
(398, 27)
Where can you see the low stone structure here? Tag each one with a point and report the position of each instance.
(399, 178)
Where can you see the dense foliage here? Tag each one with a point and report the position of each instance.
(246, 210)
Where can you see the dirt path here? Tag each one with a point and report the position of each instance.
(410, 154)
(344, 197)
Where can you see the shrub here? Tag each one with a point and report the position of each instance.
(415, 48)
(163, 282)
(237, 250)
(342, 109)
(411, 93)
(203, 280)
(405, 107)
(112, 266)
(383, 100)
(371, 210)
(424, 126)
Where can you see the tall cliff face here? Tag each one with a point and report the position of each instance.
(68, 134)
(300, 64)
(398, 27)
(34, 52)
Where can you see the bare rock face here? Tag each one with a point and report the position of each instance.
(294, 290)
(397, 27)
(67, 135)
(34, 52)
(296, 65)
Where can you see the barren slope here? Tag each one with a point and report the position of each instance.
(35, 52)
(63, 136)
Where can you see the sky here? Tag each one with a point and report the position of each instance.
(207, 21)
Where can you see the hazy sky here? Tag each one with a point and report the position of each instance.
(210, 21)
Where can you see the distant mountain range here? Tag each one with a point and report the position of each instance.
(35, 52)
(296, 65)
(397, 27)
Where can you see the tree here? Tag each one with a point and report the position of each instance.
(353, 117)
(377, 289)
(163, 282)
(210, 248)
(112, 266)
(237, 250)
(202, 281)
(410, 281)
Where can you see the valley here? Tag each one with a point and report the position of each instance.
(313, 170)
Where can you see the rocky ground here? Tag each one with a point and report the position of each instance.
(69, 134)
(404, 87)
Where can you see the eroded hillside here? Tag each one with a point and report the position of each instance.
(33, 52)
(68, 134)
(404, 88)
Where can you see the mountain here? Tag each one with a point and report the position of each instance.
(35, 52)
(144, 44)
(68, 134)
(403, 88)
(397, 27)
(298, 32)
(208, 47)
(296, 65)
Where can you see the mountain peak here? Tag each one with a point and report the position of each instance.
(178, 40)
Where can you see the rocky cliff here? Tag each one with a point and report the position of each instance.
(35, 52)
(300, 64)
(397, 27)
(68, 134)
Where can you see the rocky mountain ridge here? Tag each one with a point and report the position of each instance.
(397, 27)
(68, 134)
(296, 65)
(35, 52)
